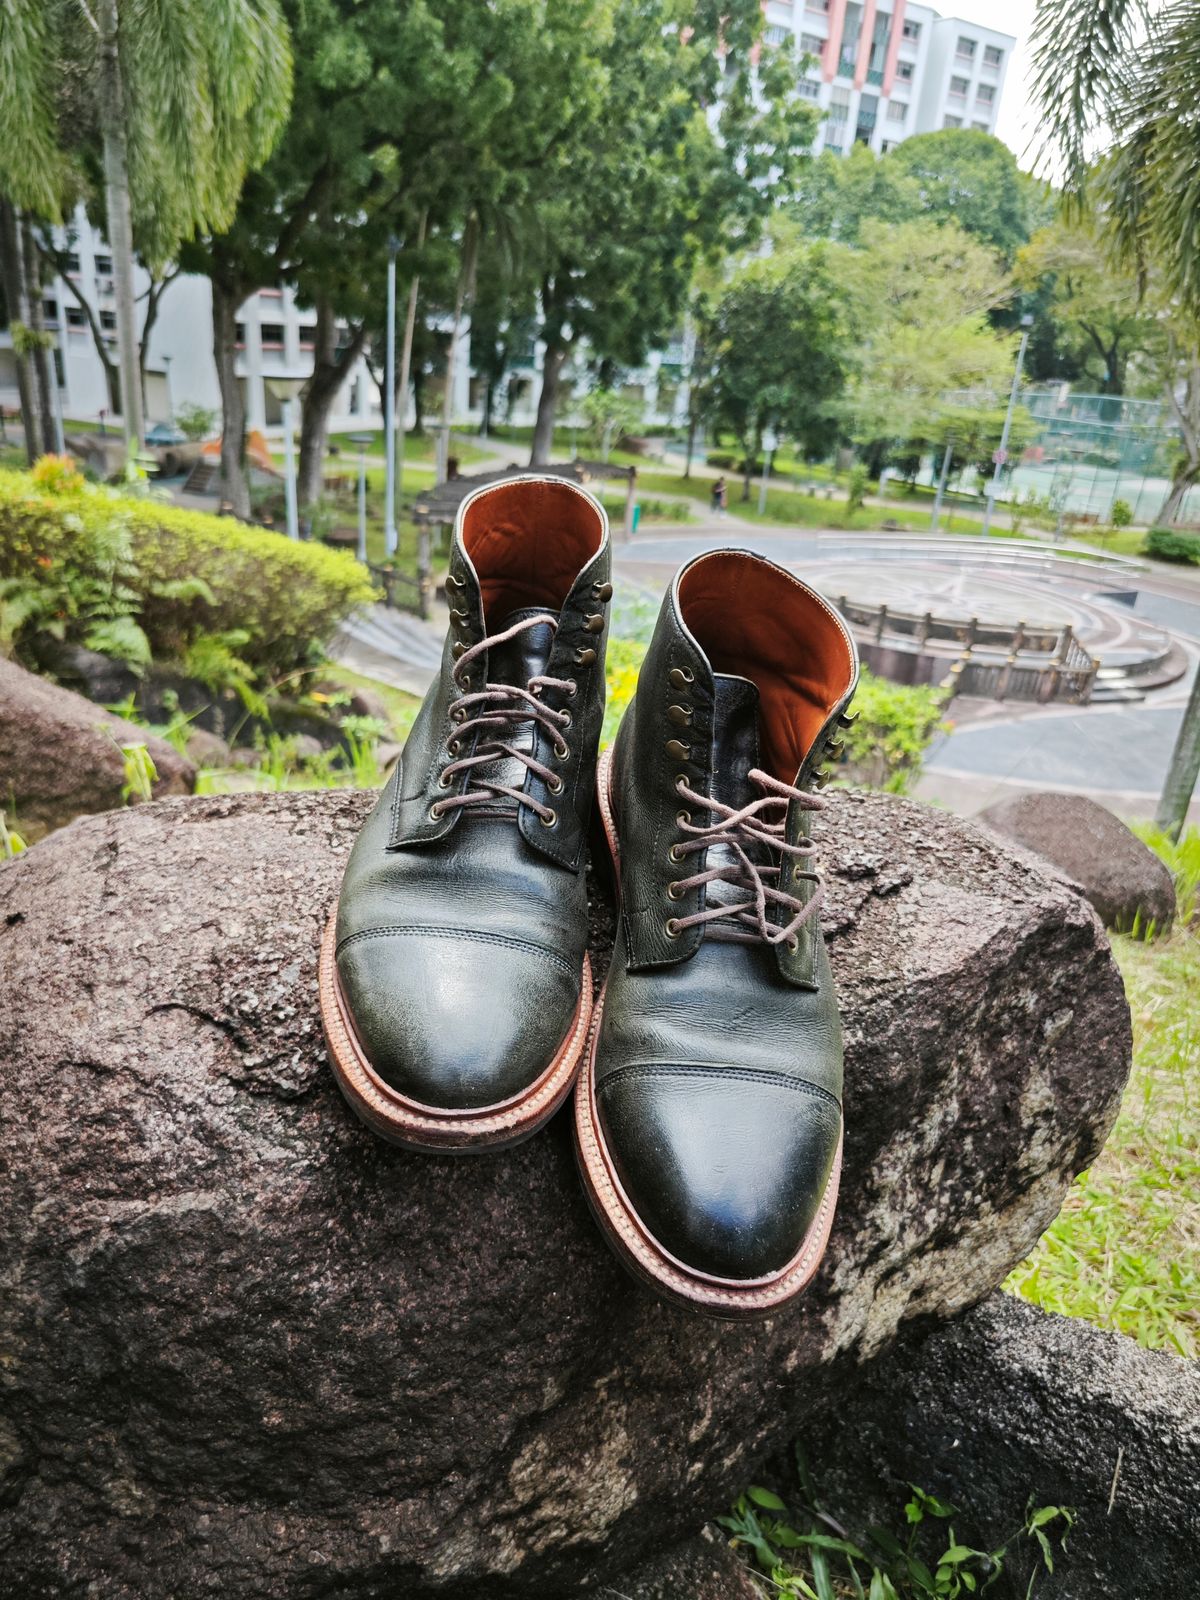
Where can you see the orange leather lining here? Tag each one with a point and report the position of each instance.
(527, 542)
(750, 619)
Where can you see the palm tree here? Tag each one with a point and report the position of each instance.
(1117, 81)
(181, 100)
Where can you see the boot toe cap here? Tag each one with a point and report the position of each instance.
(727, 1170)
(455, 1020)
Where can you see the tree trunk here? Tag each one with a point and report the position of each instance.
(1184, 769)
(12, 265)
(120, 217)
(154, 294)
(1187, 414)
(330, 367)
(464, 292)
(402, 377)
(227, 296)
(57, 259)
(1187, 475)
(747, 466)
(43, 357)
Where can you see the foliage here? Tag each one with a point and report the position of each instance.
(895, 724)
(1168, 544)
(1123, 73)
(1099, 305)
(93, 556)
(777, 342)
(11, 842)
(856, 489)
(1182, 859)
(203, 100)
(931, 1562)
(609, 414)
(1123, 1252)
(919, 296)
(955, 175)
(623, 663)
(140, 772)
(195, 421)
(1120, 514)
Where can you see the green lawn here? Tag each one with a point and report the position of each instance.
(1124, 1252)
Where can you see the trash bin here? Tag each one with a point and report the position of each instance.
(637, 517)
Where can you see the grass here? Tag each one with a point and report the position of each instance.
(402, 707)
(1124, 1252)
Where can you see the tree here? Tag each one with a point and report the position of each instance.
(1099, 304)
(694, 133)
(181, 107)
(779, 346)
(836, 194)
(966, 176)
(919, 296)
(609, 414)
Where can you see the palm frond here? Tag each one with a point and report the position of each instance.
(32, 167)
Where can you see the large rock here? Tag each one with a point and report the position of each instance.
(251, 1350)
(1125, 881)
(60, 755)
(1011, 1404)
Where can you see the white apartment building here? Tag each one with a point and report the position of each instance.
(882, 70)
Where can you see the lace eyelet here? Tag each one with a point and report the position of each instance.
(683, 817)
(562, 751)
(674, 891)
(446, 779)
(671, 928)
(676, 852)
(550, 820)
(793, 944)
(572, 688)
(458, 714)
(556, 786)
(680, 782)
(435, 811)
(564, 719)
(455, 747)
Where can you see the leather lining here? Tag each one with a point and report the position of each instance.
(528, 542)
(752, 620)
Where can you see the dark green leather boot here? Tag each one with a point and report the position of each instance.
(454, 982)
(708, 1116)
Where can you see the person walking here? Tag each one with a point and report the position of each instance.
(718, 498)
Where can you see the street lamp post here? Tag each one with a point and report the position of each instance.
(362, 440)
(285, 390)
(941, 486)
(770, 443)
(390, 540)
(1001, 456)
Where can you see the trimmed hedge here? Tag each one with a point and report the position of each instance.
(1168, 544)
(190, 572)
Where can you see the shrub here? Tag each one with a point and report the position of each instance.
(1168, 544)
(722, 459)
(194, 421)
(184, 573)
(1120, 514)
(896, 722)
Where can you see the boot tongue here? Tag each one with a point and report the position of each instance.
(518, 659)
(735, 752)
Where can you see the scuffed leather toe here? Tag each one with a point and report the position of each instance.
(454, 1020)
(727, 1170)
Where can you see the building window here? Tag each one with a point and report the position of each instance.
(50, 310)
(104, 266)
(965, 49)
(808, 88)
(75, 317)
(896, 111)
(777, 35)
(271, 335)
(905, 71)
(985, 93)
(958, 88)
(982, 126)
(885, 145)
(992, 55)
(239, 335)
(951, 122)
(72, 261)
(812, 44)
(108, 321)
(835, 149)
(910, 31)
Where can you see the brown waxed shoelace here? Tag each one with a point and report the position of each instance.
(503, 706)
(762, 821)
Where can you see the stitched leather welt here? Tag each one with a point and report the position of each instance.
(652, 1069)
(474, 934)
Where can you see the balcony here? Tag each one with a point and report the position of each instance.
(875, 76)
(846, 63)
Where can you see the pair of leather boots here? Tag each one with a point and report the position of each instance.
(455, 985)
